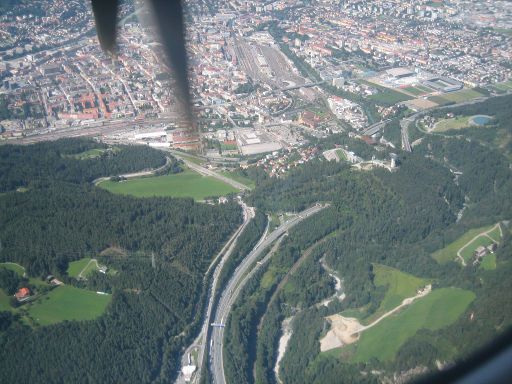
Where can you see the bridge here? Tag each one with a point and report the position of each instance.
(374, 128)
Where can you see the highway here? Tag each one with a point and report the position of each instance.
(374, 128)
(234, 287)
(199, 343)
(206, 172)
(404, 124)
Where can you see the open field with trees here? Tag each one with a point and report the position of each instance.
(469, 249)
(458, 122)
(89, 154)
(449, 253)
(184, 184)
(438, 309)
(488, 262)
(505, 86)
(136, 339)
(75, 267)
(237, 176)
(399, 285)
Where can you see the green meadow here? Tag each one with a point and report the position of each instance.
(456, 97)
(400, 285)
(240, 178)
(458, 122)
(449, 253)
(468, 251)
(75, 267)
(183, 184)
(437, 310)
(67, 303)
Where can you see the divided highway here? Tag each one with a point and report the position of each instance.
(206, 172)
(199, 343)
(233, 288)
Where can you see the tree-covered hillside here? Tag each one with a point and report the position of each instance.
(68, 160)
(393, 219)
(158, 250)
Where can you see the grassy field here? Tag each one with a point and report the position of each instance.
(458, 96)
(439, 100)
(505, 31)
(488, 262)
(358, 313)
(449, 253)
(467, 252)
(458, 122)
(184, 184)
(341, 154)
(399, 285)
(240, 178)
(437, 310)
(496, 234)
(68, 303)
(228, 147)
(75, 267)
(416, 90)
(90, 154)
(389, 96)
(506, 86)
(386, 96)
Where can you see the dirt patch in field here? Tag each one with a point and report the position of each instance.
(343, 331)
(420, 104)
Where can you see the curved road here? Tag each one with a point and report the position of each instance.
(135, 174)
(234, 287)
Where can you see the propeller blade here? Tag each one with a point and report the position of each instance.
(105, 16)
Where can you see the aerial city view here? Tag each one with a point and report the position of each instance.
(312, 191)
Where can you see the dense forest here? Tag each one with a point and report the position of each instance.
(396, 219)
(61, 218)
(46, 162)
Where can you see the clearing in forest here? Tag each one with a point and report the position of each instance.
(436, 310)
(75, 267)
(184, 184)
(68, 303)
(400, 285)
(346, 330)
(449, 252)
